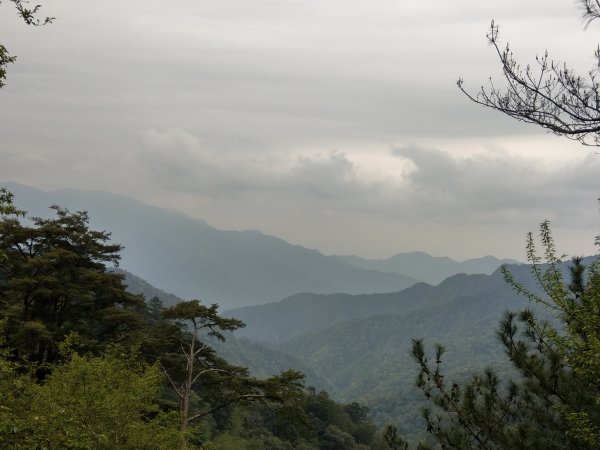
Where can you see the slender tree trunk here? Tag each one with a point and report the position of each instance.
(187, 392)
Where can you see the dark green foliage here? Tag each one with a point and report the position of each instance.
(6, 203)
(554, 402)
(57, 297)
(484, 414)
(53, 281)
(392, 439)
(266, 413)
(202, 318)
(315, 422)
(338, 425)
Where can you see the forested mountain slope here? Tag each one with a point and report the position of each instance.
(361, 344)
(368, 359)
(357, 347)
(309, 313)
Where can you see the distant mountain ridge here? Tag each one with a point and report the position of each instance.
(186, 256)
(430, 269)
(308, 313)
(360, 344)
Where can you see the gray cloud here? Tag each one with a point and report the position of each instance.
(258, 114)
(499, 187)
(489, 188)
(277, 72)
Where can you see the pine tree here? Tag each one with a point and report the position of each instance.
(205, 382)
(546, 93)
(54, 280)
(555, 401)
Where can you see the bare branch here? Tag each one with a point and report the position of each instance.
(552, 96)
(177, 390)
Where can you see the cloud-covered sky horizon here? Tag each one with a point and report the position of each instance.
(333, 124)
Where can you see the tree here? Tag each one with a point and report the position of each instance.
(555, 402)
(215, 383)
(548, 94)
(54, 280)
(7, 208)
(200, 359)
(30, 17)
(15, 388)
(392, 439)
(101, 402)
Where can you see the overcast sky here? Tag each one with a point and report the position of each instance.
(334, 124)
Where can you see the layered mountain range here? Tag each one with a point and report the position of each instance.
(347, 322)
(191, 259)
(357, 347)
(427, 268)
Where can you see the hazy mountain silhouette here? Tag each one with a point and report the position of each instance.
(430, 269)
(194, 260)
(308, 313)
(139, 286)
